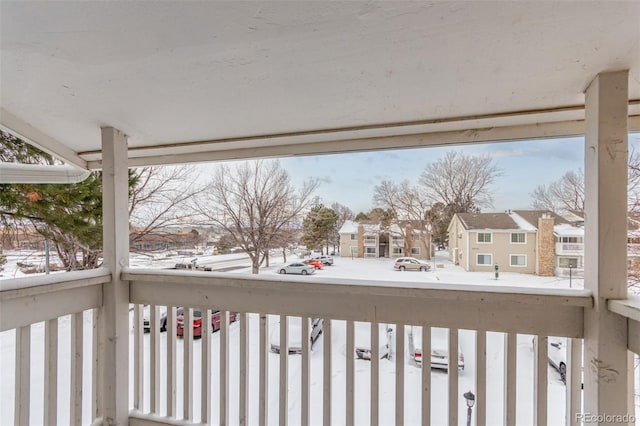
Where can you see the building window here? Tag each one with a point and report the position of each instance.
(370, 251)
(415, 250)
(518, 260)
(484, 259)
(484, 237)
(354, 237)
(569, 239)
(397, 250)
(518, 238)
(567, 262)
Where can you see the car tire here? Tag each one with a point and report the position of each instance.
(282, 271)
(304, 272)
(562, 368)
(423, 268)
(401, 268)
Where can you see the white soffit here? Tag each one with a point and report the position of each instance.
(242, 79)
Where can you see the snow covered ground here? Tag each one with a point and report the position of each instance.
(368, 269)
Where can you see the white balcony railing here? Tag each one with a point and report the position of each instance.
(370, 241)
(47, 319)
(569, 248)
(242, 386)
(231, 377)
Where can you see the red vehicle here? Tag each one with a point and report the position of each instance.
(197, 321)
(316, 263)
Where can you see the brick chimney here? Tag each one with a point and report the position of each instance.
(546, 246)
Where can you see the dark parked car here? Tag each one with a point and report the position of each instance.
(197, 321)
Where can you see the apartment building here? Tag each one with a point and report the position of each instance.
(399, 239)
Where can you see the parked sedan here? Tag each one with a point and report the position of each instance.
(316, 263)
(410, 264)
(557, 354)
(326, 260)
(439, 348)
(297, 268)
(295, 334)
(197, 321)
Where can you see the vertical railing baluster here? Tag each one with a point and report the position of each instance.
(244, 369)
(154, 359)
(284, 371)
(375, 373)
(304, 382)
(350, 382)
(138, 358)
(399, 374)
(481, 378)
(426, 375)
(453, 376)
(573, 380)
(22, 375)
(540, 362)
(76, 368)
(170, 329)
(510, 363)
(51, 372)
(224, 368)
(326, 381)
(96, 373)
(205, 388)
(264, 372)
(187, 378)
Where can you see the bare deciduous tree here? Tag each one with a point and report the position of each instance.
(254, 203)
(159, 199)
(567, 193)
(460, 182)
(408, 205)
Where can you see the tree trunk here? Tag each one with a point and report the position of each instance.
(284, 255)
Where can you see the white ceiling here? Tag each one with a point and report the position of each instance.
(266, 74)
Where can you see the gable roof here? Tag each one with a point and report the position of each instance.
(487, 221)
(532, 216)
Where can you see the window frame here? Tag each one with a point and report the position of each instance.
(484, 254)
(413, 250)
(524, 234)
(490, 234)
(511, 264)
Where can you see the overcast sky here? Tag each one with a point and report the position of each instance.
(350, 178)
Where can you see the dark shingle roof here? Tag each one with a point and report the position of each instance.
(532, 216)
(487, 221)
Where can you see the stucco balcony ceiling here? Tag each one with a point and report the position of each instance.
(189, 81)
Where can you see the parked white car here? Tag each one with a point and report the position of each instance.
(297, 268)
(557, 355)
(295, 334)
(439, 348)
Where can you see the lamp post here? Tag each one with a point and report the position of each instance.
(471, 399)
(570, 274)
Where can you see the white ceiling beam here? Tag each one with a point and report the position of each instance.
(25, 131)
(211, 151)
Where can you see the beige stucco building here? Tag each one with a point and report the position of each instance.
(524, 241)
(372, 240)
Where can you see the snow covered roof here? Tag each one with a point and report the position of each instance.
(349, 227)
(568, 230)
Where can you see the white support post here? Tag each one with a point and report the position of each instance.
(114, 347)
(77, 344)
(606, 156)
(23, 376)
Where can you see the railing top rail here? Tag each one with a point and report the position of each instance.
(629, 307)
(18, 287)
(445, 291)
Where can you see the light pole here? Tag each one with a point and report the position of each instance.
(570, 270)
(471, 399)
